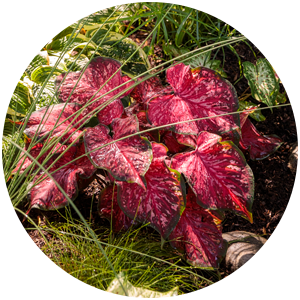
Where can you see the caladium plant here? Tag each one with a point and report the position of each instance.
(46, 195)
(150, 171)
(259, 146)
(100, 77)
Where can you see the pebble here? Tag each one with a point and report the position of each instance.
(288, 242)
(293, 159)
(259, 269)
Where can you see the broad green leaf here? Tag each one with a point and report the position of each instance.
(255, 114)
(40, 74)
(116, 46)
(281, 98)
(262, 81)
(291, 83)
(19, 282)
(8, 239)
(12, 112)
(79, 61)
(132, 291)
(41, 59)
(203, 60)
(22, 98)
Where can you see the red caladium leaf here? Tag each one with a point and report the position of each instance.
(26, 161)
(197, 235)
(126, 160)
(259, 146)
(163, 201)
(169, 139)
(42, 121)
(218, 174)
(148, 89)
(87, 90)
(46, 195)
(187, 140)
(109, 209)
(198, 93)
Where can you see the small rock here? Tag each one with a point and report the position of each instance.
(288, 242)
(258, 267)
(293, 159)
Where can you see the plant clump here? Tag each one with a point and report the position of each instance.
(178, 178)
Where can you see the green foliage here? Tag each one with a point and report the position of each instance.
(262, 81)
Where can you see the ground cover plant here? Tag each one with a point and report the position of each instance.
(169, 137)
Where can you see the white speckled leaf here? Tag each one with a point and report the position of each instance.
(132, 291)
(262, 81)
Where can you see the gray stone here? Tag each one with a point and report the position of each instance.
(259, 269)
(293, 159)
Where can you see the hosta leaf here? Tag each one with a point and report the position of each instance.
(259, 146)
(40, 59)
(133, 291)
(262, 81)
(197, 94)
(126, 160)
(22, 98)
(40, 74)
(18, 282)
(162, 203)
(46, 119)
(88, 90)
(116, 46)
(218, 174)
(197, 234)
(109, 209)
(45, 194)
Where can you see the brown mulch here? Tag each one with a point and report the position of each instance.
(273, 179)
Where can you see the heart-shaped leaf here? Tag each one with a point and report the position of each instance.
(218, 174)
(198, 93)
(93, 83)
(169, 139)
(109, 209)
(262, 81)
(61, 119)
(45, 193)
(162, 203)
(126, 160)
(259, 146)
(197, 235)
(148, 89)
(25, 161)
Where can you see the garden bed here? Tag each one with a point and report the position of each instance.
(273, 179)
